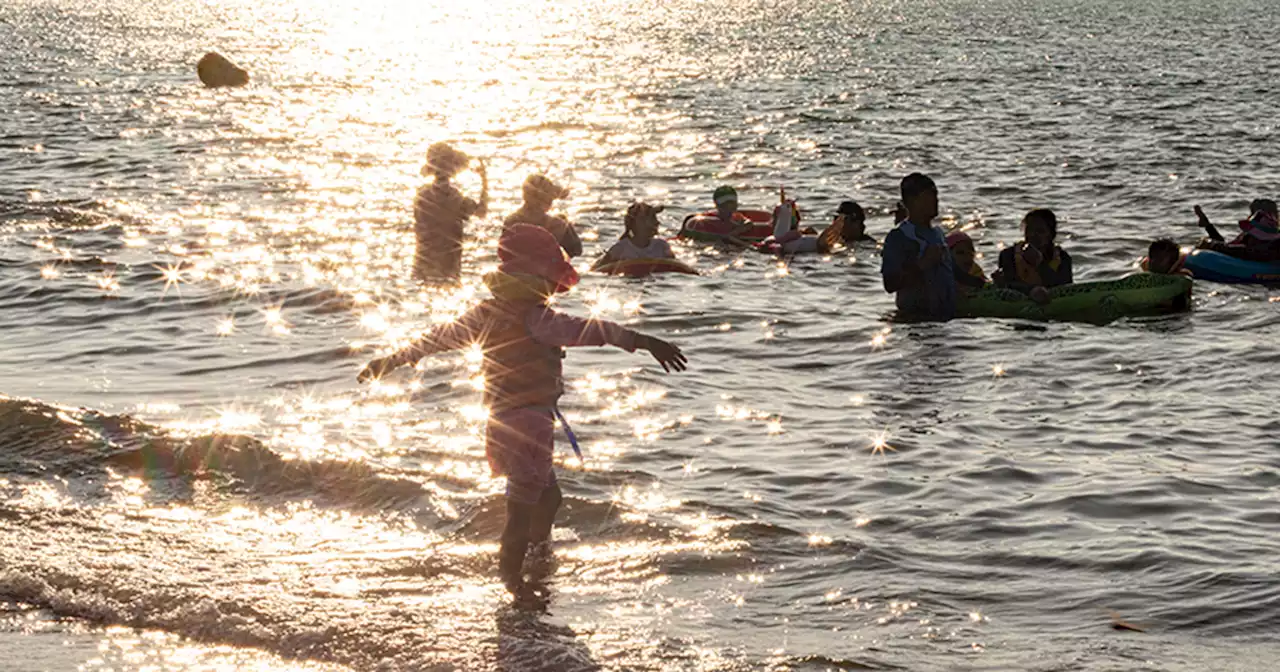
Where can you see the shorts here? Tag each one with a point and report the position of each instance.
(520, 444)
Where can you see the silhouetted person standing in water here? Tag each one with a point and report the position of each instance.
(540, 193)
(439, 213)
(915, 262)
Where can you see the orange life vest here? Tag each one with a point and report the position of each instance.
(518, 371)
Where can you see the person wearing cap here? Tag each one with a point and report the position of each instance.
(639, 238)
(440, 213)
(540, 193)
(726, 199)
(522, 341)
(964, 260)
(852, 220)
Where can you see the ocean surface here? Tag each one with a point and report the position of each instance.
(192, 479)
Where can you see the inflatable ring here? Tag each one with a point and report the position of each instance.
(1138, 294)
(1218, 267)
(707, 227)
(639, 268)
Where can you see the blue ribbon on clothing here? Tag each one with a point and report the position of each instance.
(568, 432)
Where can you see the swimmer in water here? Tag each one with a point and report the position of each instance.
(1259, 238)
(964, 258)
(914, 262)
(540, 193)
(1165, 258)
(440, 212)
(1037, 264)
(639, 238)
(852, 220)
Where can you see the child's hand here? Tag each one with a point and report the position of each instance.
(377, 369)
(667, 354)
(1040, 295)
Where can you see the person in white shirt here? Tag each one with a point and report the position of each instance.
(639, 238)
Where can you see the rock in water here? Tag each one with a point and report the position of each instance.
(216, 70)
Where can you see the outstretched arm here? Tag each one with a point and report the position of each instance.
(447, 337)
(558, 329)
(482, 208)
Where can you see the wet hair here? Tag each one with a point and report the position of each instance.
(444, 160)
(916, 184)
(540, 187)
(1163, 246)
(634, 213)
(1045, 216)
(851, 209)
(1161, 249)
(1264, 205)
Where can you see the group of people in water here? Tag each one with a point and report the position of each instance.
(522, 337)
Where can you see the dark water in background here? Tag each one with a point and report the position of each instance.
(198, 266)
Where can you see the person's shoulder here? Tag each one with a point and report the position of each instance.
(1062, 254)
(1007, 254)
(896, 238)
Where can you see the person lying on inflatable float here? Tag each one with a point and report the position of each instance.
(848, 227)
(1037, 264)
(964, 261)
(727, 223)
(1259, 238)
(523, 341)
(787, 238)
(640, 251)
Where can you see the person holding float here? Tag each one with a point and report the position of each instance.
(727, 222)
(522, 339)
(639, 251)
(440, 213)
(1037, 264)
(540, 193)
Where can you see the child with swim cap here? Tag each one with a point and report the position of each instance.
(522, 340)
(440, 212)
(540, 193)
(639, 238)
(1036, 264)
(964, 257)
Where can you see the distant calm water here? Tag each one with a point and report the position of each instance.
(190, 478)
